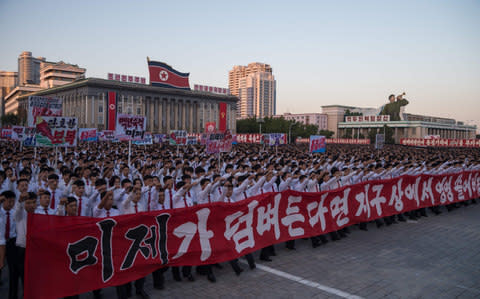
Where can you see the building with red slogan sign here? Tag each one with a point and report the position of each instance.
(167, 102)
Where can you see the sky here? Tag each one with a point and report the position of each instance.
(322, 52)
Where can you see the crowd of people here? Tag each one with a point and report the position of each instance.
(96, 180)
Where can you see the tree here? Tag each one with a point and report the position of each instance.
(10, 119)
(348, 133)
(326, 133)
(389, 139)
(278, 125)
(372, 133)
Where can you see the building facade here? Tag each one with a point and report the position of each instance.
(34, 73)
(255, 86)
(56, 74)
(318, 119)
(166, 109)
(412, 125)
(8, 81)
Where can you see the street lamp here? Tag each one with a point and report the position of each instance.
(260, 121)
(290, 132)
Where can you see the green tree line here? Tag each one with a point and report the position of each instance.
(280, 125)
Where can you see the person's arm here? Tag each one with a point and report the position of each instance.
(302, 185)
(242, 188)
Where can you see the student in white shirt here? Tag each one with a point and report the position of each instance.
(84, 204)
(27, 203)
(8, 236)
(105, 207)
(181, 199)
(169, 192)
(55, 193)
(133, 205)
(44, 204)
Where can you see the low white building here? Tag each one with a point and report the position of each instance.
(318, 119)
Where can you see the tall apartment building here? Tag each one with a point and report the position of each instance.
(255, 86)
(36, 73)
(29, 68)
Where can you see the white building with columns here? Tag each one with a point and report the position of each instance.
(166, 108)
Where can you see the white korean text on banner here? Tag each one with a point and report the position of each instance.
(56, 131)
(147, 140)
(178, 137)
(42, 106)
(130, 127)
(440, 142)
(317, 144)
(87, 134)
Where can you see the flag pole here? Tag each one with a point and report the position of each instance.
(129, 151)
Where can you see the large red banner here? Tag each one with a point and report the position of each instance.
(101, 252)
(222, 109)
(112, 110)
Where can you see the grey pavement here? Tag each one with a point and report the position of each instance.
(434, 257)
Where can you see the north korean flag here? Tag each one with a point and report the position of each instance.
(163, 75)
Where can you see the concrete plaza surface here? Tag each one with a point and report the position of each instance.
(434, 257)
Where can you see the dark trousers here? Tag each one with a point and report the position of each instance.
(124, 291)
(186, 271)
(158, 279)
(20, 262)
(13, 276)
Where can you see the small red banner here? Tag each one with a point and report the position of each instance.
(222, 125)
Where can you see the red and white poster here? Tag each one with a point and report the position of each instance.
(103, 252)
(317, 144)
(219, 143)
(249, 138)
(87, 134)
(106, 135)
(56, 131)
(42, 106)
(210, 127)
(130, 127)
